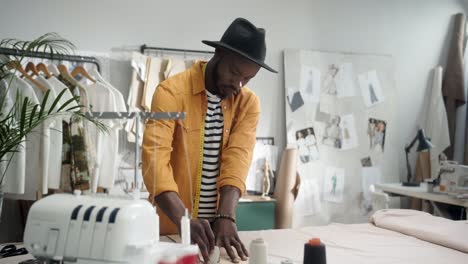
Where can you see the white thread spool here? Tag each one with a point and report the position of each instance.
(258, 251)
(214, 256)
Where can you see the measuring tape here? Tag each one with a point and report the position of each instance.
(199, 174)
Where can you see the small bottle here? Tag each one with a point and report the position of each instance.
(314, 252)
(185, 228)
(157, 223)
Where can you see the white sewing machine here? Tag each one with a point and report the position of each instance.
(99, 229)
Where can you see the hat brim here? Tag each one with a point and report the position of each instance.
(217, 44)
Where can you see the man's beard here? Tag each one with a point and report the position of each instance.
(221, 91)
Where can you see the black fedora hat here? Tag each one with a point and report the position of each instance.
(245, 39)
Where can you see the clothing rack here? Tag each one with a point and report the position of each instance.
(145, 47)
(50, 56)
(139, 116)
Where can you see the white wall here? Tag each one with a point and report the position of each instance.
(414, 32)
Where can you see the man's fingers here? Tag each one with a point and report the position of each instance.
(238, 247)
(209, 234)
(227, 246)
(203, 248)
(244, 249)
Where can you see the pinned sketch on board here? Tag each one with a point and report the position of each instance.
(376, 131)
(308, 198)
(371, 89)
(366, 162)
(349, 135)
(310, 84)
(306, 142)
(333, 134)
(295, 99)
(330, 80)
(370, 176)
(333, 184)
(345, 82)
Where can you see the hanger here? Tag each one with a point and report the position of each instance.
(63, 69)
(41, 67)
(31, 67)
(81, 70)
(15, 65)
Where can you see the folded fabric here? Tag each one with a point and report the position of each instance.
(421, 225)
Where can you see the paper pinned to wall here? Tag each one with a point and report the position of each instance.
(327, 104)
(333, 133)
(329, 81)
(310, 84)
(306, 142)
(294, 99)
(345, 84)
(366, 162)
(307, 202)
(333, 184)
(377, 130)
(370, 88)
(348, 128)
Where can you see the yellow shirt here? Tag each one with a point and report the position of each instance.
(171, 149)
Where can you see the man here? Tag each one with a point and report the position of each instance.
(201, 162)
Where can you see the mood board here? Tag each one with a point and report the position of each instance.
(341, 116)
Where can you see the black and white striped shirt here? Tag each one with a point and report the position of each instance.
(211, 149)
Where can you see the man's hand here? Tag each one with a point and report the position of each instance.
(226, 236)
(200, 229)
(202, 235)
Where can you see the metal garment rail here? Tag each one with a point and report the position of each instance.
(145, 47)
(138, 116)
(50, 56)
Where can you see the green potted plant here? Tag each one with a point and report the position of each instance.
(20, 118)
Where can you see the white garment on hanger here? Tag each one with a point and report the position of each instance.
(110, 145)
(111, 162)
(436, 125)
(21, 181)
(47, 126)
(56, 127)
(101, 99)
